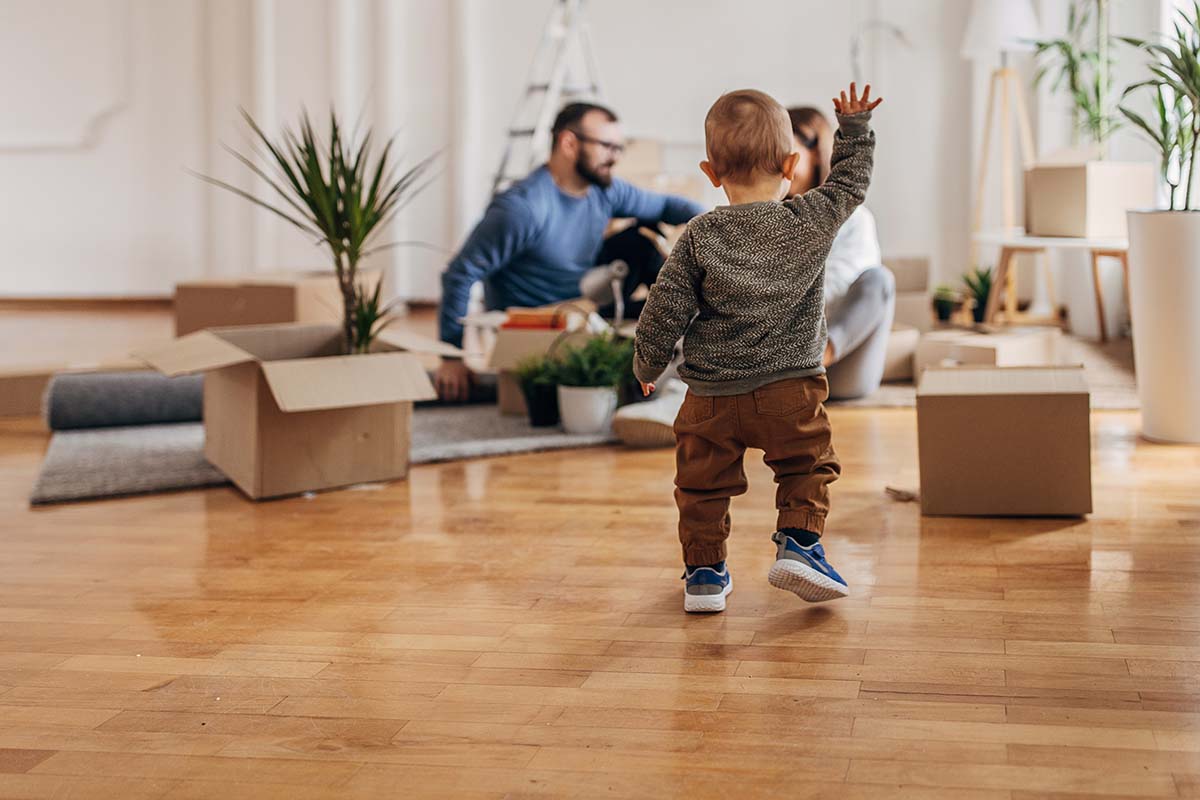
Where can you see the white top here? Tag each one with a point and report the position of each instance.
(1017, 238)
(855, 249)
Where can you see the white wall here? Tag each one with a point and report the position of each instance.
(128, 93)
(663, 64)
(109, 102)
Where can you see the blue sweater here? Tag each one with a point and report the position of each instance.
(536, 241)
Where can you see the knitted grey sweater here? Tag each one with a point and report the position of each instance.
(744, 285)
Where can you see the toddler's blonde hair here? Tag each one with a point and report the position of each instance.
(747, 132)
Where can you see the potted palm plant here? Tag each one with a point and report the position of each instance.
(588, 380)
(343, 195)
(1164, 244)
(295, 408)
(538, 376)
(979, 286)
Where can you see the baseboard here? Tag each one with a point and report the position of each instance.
(153, 303)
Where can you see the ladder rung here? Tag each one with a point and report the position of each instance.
(589, 88)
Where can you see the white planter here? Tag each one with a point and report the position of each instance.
(586, 409)
(1164, 288)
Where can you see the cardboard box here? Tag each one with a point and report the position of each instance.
(901, 349)
(264, 299)
(1009, 347)
(285, 413)
(22, 388)
(515, 345)
(914, 309)
(911, 274)
(1088, 199)
(1004, 442)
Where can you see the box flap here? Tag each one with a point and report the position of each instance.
(416, 343)
(311, 384)
(283, 340)
(196, 352)
(488, 320)
(1002, 380)
(514, 345)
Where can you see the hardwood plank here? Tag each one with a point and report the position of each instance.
(993, 776)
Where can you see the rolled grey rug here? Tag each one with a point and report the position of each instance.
(108, 399)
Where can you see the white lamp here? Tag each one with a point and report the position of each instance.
(1000, 27)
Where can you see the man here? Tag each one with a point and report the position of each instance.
(539, 237)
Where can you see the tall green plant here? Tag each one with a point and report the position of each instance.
(1174, 61)
(1083, 69)
(343, 195)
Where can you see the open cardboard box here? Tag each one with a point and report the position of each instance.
(260, 299)
(1004, 442)
(1029, 346)
(511, 346)
(285, 412)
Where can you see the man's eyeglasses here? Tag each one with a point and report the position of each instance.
(616, 148)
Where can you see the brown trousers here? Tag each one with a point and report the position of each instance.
(786, 420)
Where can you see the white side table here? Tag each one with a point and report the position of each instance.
(1011, 243)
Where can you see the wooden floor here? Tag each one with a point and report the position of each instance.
(511, 628)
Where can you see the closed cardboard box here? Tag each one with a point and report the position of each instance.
(1004, 442)
(1087, 200)
(1010, 347)
(22, 388)
(901, 350)
(269, 298)
(911, 274)
(285, 412)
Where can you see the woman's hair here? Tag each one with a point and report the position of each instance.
(814, 132)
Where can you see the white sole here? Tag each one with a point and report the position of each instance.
(643, 433)
(706, 603)
(804, 581)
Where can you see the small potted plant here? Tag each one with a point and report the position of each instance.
(538, 376)
(946, 301)
(979, 286)
(588, 378)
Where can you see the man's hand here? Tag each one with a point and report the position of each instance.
(855, 104)
(647, 388)
(453, 381)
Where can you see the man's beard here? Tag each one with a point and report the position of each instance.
(591, 176)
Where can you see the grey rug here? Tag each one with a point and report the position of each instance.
(135, 459)
(1108, 367)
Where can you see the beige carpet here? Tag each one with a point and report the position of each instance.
(1109, 369)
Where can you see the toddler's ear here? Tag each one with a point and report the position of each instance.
(708, 170)
(789, 166)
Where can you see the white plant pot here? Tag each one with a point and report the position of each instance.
(586, 409)
(1164, 288)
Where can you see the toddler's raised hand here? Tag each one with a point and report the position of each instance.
(855, 104)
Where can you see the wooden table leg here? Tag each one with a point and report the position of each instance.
(1124, 256)
(1099, 296)
(999, 283)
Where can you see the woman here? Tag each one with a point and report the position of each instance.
(860, 293)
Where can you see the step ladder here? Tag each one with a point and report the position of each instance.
(563, 70)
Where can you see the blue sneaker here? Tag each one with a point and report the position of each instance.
(804, 571)
(706, 589)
